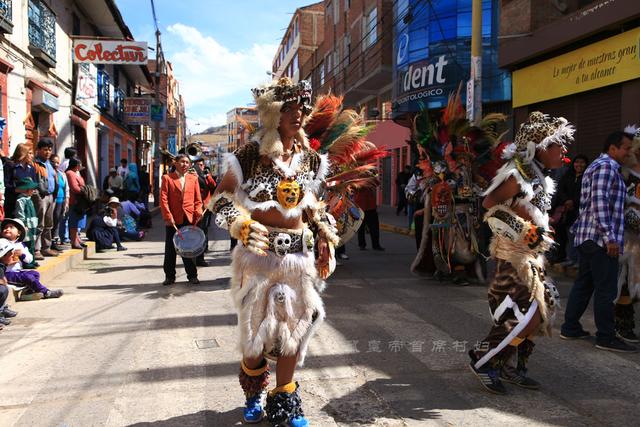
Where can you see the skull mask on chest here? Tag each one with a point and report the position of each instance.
(288, 193)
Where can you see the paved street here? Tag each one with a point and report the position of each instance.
(119, 349)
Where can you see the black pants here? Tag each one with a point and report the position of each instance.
(371, 221)
(170, 257)
(402, 201)
(597, 276)
(204, 226)
(418, 220)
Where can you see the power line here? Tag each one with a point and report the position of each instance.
(155, 18)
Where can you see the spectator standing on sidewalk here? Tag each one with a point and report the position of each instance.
(566, 204)
(76, 182)
(600, 240)
(401, 183)
(207, 187)
(365, 198)
(131, 184)
(69, 153)
(123, 169)
(180, 205)
(61, 199)
(43, 198)
(415, 193)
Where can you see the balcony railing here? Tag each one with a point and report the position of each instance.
(6, 17)
(42, 32)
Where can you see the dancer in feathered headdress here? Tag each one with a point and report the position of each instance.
(452, 153)
(273, 199)
(629, 276)
(270, 200)
(521, 299)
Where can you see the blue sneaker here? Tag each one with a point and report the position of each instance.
(253, 412)
(298, 422)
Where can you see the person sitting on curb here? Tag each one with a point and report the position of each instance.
(25, 211)
(14, 231)
(5, 311)
(126, 224)
(103, 229)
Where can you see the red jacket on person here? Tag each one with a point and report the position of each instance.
(365, 198)
(177, 205)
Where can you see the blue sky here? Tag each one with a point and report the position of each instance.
(219, 49)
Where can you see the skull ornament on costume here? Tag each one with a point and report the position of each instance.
(282, 244)
(441, 200)
(288, 193)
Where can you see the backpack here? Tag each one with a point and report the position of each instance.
(86, 197)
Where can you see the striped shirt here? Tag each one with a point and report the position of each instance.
(602, 199)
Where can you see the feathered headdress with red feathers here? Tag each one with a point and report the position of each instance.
(342, 134)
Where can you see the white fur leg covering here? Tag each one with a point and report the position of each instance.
(277, 300)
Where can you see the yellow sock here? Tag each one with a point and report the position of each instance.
(254, 372)
(286, 388)
(516, 341)
(624, 300)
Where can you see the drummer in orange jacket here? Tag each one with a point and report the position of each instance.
(180, 204)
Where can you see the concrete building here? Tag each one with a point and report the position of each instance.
(577, 59)
(45, 94)
(302, 37)
(239, 120)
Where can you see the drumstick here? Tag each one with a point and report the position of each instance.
(179, 233)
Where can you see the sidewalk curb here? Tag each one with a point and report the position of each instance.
(55, 266)
(397, 230)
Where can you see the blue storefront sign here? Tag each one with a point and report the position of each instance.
(171, 145)
(432, 53)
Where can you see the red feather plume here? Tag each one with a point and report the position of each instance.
(324, 113)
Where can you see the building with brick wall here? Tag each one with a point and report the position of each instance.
(355, 61)
(577, 59)
(240, 120)
(302, 37)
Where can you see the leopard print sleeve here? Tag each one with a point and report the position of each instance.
(225, 210)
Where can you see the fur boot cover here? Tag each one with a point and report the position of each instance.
(282, 407)
(253, 381)
(278, 302)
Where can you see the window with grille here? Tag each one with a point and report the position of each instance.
(42, 28)
(118, 104)
(6, 19)
(103, 89)
(370, 28)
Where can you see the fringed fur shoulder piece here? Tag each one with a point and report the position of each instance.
(508, 170)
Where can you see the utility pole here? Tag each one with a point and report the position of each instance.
(475, 83)
(157, 123)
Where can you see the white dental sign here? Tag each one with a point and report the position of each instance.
(423, 80)
(421, 75)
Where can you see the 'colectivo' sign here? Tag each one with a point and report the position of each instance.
(608, 62)
(99, 51)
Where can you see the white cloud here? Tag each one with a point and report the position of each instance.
(213, 77)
